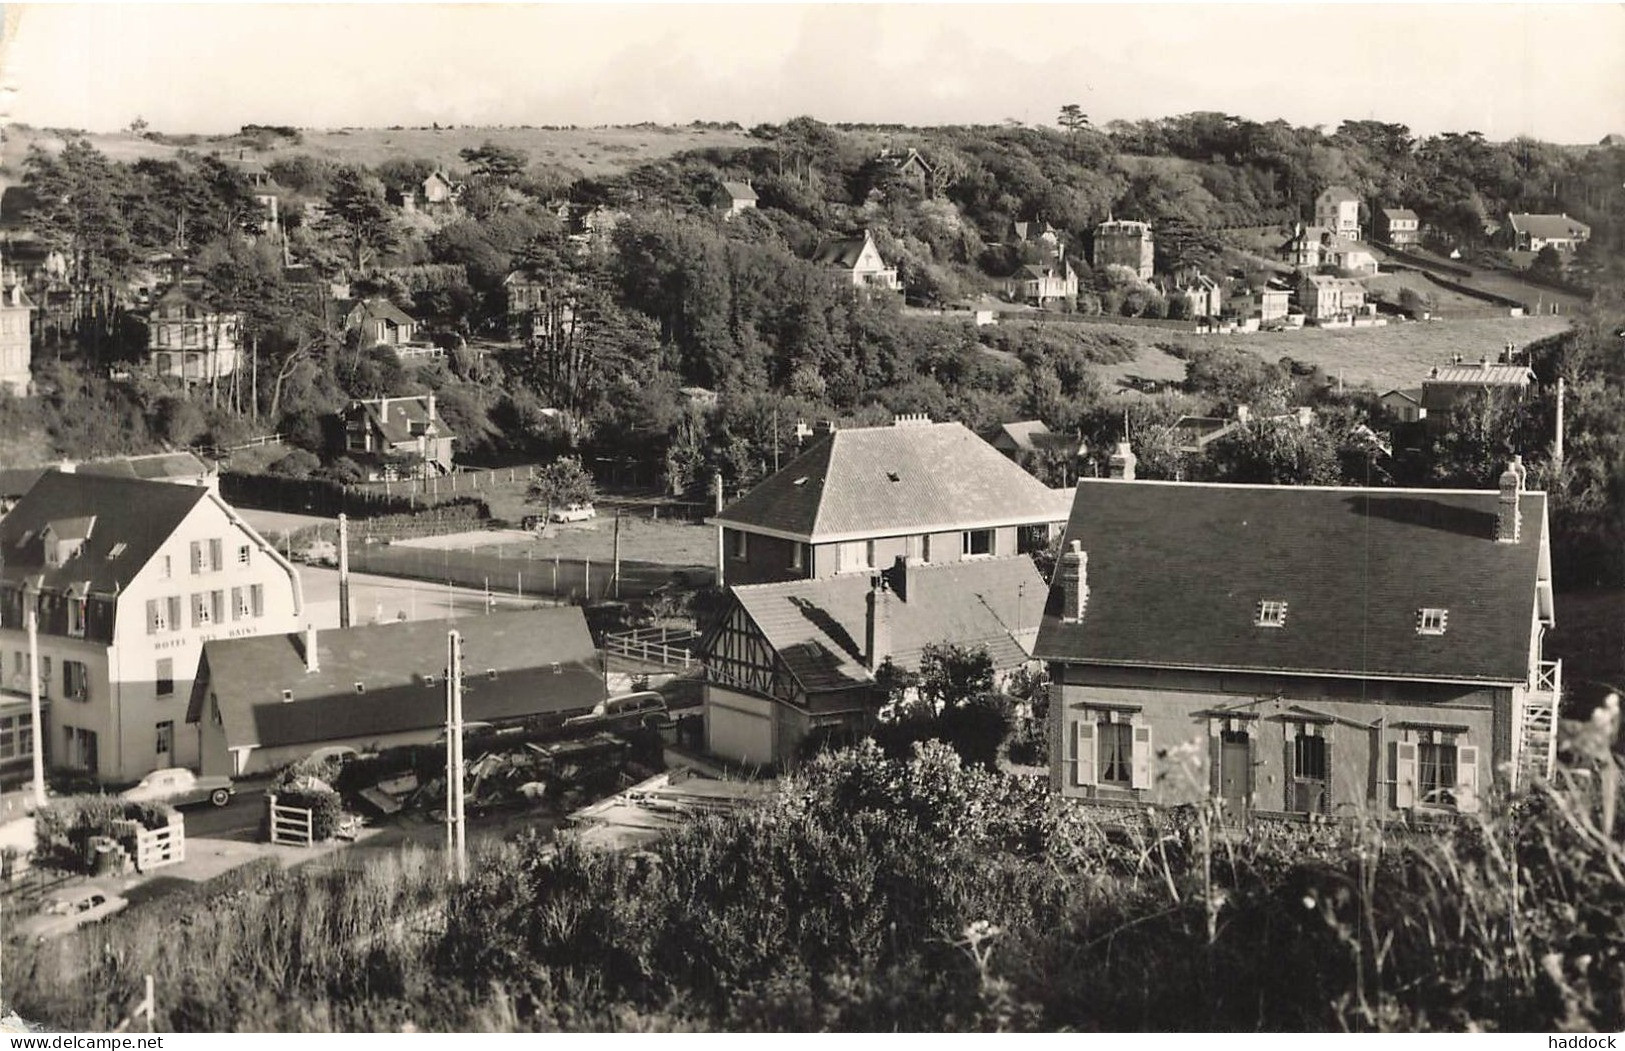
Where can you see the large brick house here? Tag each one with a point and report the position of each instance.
(1125, 242)
(806, 658)
(130, 578)
(858, 498)
(1319, 650)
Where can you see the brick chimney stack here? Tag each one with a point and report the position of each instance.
(877, 624)
(899, 576)
(1121, 464)
(1074, 574)
(1508, 515)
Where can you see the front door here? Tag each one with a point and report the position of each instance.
(1235, 770)
(165, 757)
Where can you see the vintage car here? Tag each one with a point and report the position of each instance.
(180, 787)
(573, 513)
(67, 910)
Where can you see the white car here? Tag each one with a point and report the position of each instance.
(179, 787)
(573, 513)
(67, 910)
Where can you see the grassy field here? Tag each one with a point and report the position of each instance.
(1397, 355)
(590, 151)
(664, 543)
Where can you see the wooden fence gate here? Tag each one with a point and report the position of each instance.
(291, 825)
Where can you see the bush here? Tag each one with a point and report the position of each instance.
(299, 787)
(63, 827)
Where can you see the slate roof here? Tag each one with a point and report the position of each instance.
(739, 191)
(1482, 374)
(1410, 394)
(395, 423)
(1394, 214)
(1548, 227)
(818, 627)
(843, 253)
(139, 514)
(1176, 571)
(893, 481)
(1338, 193)
(1026, 434)
(376, 307)
(391, 661)
(1124, 226)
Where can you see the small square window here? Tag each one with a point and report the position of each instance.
(287, 695)
(1431, 621)
(429, 680)
(491, 673)
(360, 687)
(1271, 614)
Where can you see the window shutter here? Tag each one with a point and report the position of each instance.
(152, 616)
(1252, 769)
(1467, 779)
(1083, 752)
(174, 613)
(256, 596)
(216, 559)
(197, 608)
(1214, 752)
(1404, 775)
(197, 556)
(217, 606)
(1326, 792)
(1290, 767)
(1141, 772)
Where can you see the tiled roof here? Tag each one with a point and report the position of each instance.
(1329, 282)
(139, 515)
(155, 467)
(377, 308)
(1411, 394)
(843, 253)
(392, 661)
(1394, 214)
(1489, 374)
(395, 417)
(1338, 193)
(1026, 434)
(1176, 571)
(818, 627)
(739, 191)
(1548, 227)
(892, 481)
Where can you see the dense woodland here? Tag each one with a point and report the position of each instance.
(675, 297)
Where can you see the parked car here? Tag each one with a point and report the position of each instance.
(573, 513)
(319, 553)
(179, 787)
(624, 706)
(65, 910)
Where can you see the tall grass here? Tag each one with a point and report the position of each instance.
(875, 894)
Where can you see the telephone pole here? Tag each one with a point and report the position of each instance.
(31, 596)
(456, 836)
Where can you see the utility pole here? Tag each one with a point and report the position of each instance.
(719, 530)
(456, 839)
(344, 571)
(1557, 443)
(31, 596)
(615, 575)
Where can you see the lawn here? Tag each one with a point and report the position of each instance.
(642, 540)
(1397, 355)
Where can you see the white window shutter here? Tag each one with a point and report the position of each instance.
(1141, 773)
(152, 616)
(1404, 775)
(1467, 779)
(1083, 752)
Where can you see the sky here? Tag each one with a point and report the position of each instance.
(1554, 71)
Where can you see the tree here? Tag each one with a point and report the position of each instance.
(498, 163)
(1547, 265)
(951, 674)
(358, 216)
(560, 483)
(1072, 118)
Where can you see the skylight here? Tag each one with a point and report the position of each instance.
(117, 550)
(1271, 614)
(1431, 620)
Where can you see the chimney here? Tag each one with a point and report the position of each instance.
(1121, 464)
(899, 576)
(1508, 515)
(383, 409)
(1074, 574)
(344, 571)
(313, 663)
(825, 427)
(877, 624)
(431, 406)
(1244, 414)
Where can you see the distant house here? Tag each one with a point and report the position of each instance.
(1193, 434)
(1399, 227)
(1326, 298)
(915, 170)
(1446, 385)
(1044, 284)
(857, 261)
(1125, 242)
(182, 468)
(398, 437)
(1272, 304)
(791, 664)
(1305, 249)
(379, 321)
(191, 338)
(1202, 295)
(264, 702)
(1036, 232)
(856, 499)
(1338, 210)
(1351, 256)
(16, 336)
(1404, 406)
(1024, 436)
(1343, 652)
(1531, 233)
(266, 192)
(439, 192)
(736, 197)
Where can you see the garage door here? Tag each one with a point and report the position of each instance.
(738, 727)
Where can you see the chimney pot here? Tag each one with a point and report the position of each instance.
(1121, 464)
(312, 661)
(877, 623)
(1508, 512)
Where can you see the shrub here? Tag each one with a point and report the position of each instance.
(63, 827)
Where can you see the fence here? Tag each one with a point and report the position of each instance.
(327, 499)
(291, 825)
(459, 483)
(562, 579)
(155, 848)
(668, 647)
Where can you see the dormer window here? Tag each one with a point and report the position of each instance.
(1431, 620)
(1271, 613)
(287, 695)
(360, 687)
(429, 680)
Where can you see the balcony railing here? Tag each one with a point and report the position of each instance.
(1549, 677)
